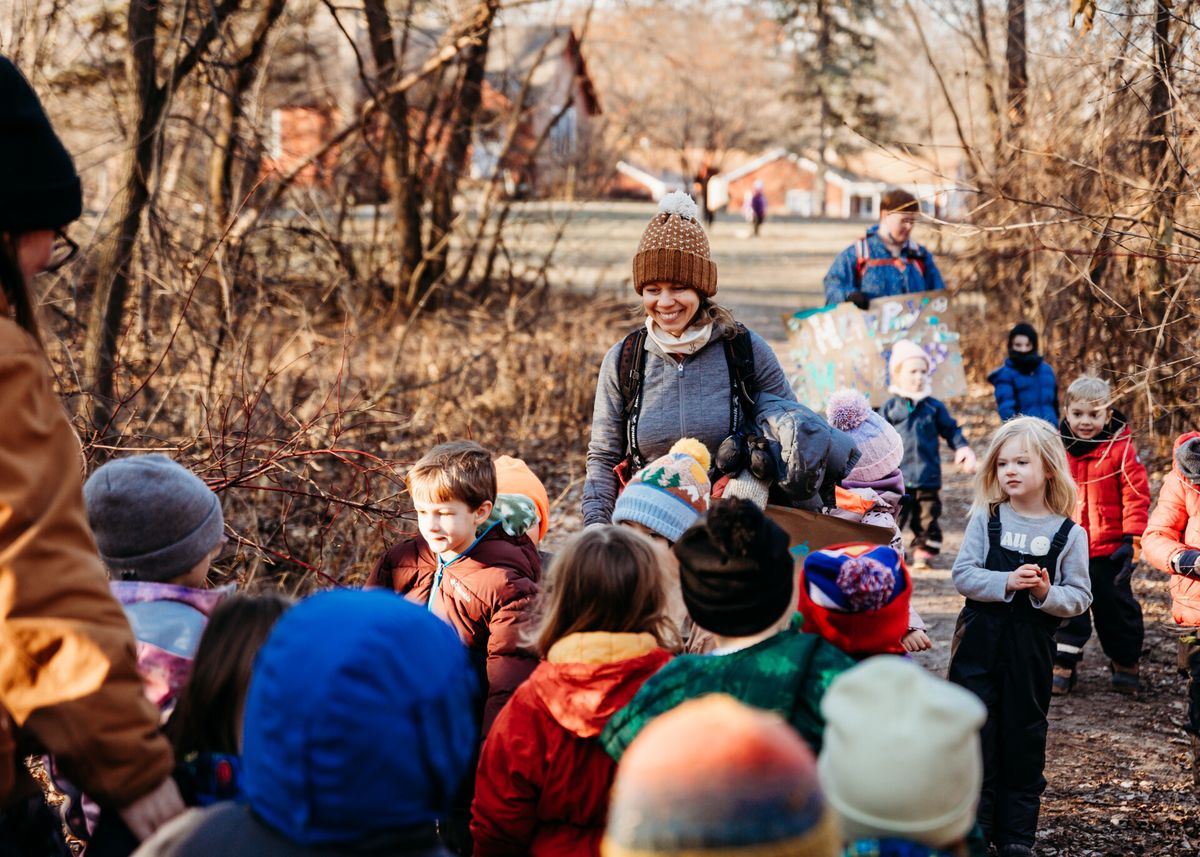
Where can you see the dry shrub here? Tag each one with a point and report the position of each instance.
(306, 427)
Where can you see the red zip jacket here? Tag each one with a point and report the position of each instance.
(485, 596)
(544, 778)
(1114, 493)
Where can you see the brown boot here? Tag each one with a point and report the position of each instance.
(1125, 679)
(1063, 680)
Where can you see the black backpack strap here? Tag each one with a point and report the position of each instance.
(994, 529)
(1057, 544)
(631, 369)
(739, 356)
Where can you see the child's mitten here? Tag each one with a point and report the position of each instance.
(732, 454)
(1186, 563)
(1122, 558)
(762, 462)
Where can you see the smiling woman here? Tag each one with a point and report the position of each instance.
(676, 376)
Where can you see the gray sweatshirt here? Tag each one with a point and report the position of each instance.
(688, 399)
(1071, 592)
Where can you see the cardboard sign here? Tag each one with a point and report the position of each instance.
(810, 531)
(840, 346)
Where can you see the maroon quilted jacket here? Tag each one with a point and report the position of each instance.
(485, 596)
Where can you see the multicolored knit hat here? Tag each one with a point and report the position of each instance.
(674, 248)
(715, 777)
(880, 444)
(856, 597)
(926, 729)
(669, 493)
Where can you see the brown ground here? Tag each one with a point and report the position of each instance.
(1118, 768)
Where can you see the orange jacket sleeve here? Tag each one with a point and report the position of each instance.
(68, 671)
(1135, 493)
(1164, 532)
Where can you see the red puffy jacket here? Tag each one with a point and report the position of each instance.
(1114, 493)
(1175, 527)
(543, 780)
(485, 596)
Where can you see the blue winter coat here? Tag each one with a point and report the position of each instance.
(920, 424)
(359, 719)
(1032, 395)
(880, 281)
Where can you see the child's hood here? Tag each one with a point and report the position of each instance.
(1187, 458)
(589, 677)
(513, 476)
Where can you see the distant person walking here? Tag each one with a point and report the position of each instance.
(758, 206)
(886, 261)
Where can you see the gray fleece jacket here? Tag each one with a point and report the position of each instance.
(688, 399)
(1071, 591)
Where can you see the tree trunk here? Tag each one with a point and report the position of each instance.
(112, 278)
(458, 147)
(230, 111)
(825, 57)
(1018, 80)
(399, 159)
(1158, 165)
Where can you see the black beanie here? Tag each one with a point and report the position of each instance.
(39, 188)
(1023, 329)
(737, 573)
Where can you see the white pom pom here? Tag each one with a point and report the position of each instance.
(678, 202)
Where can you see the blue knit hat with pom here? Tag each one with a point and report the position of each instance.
(669, 493)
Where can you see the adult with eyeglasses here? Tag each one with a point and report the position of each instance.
(885, 261)
(69, 684)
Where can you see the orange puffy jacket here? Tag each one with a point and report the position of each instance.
(1174, 527)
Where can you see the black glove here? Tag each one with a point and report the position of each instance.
(1186, 563)
(732, 455)
(762, 462)
(1122, 557)
(859, 298)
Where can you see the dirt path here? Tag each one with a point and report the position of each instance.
(1118, 771)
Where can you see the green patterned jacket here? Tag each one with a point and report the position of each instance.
(787, 673)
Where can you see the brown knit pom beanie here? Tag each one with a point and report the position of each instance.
(674, 249)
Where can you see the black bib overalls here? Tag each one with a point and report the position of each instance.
(1003, 652)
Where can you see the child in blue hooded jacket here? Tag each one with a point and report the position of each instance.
(1025, 384)
(921, 421)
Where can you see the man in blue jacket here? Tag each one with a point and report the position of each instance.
(886, 261)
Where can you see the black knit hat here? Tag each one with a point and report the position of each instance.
(39, 188)
(1023, 329)
(737, 574)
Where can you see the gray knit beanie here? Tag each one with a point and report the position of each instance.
(153, 519)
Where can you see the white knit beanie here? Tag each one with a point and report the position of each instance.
(905, 349)
(881, 446)
(901, 756)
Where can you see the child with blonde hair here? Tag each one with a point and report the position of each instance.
(1023, 568)
(1114, 502)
